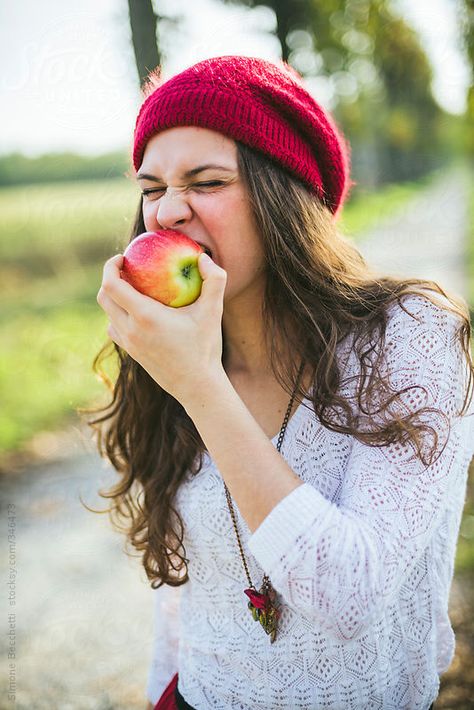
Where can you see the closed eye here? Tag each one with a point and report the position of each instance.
(197, 185)
(150, 191)
(210, 183)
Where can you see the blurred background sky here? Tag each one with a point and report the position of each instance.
(69, 76)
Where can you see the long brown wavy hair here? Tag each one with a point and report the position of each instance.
(318, 290)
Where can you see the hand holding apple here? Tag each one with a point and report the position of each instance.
(164, 266)
(180, 348)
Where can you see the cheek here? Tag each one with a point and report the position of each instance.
(149, 216)
(217, 215)
(232, 223)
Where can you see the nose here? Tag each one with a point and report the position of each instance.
(173, 208)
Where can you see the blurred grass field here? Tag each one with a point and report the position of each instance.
(54, 239)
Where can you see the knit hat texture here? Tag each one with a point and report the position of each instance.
(261, 104)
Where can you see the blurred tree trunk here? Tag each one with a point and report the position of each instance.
(143, 22)
(282, 31)
(290, 15)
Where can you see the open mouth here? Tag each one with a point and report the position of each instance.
(206, 249)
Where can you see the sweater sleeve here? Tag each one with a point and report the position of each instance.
(342, 565)
(164, 659)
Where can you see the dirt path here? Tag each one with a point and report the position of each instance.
(82, 609)
(427, 238)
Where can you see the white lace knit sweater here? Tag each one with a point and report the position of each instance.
(361, 556)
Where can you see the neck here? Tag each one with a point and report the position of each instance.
(245, 348)
(246, 353)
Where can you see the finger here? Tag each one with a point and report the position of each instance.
(113, 335)
(120, 290)
(214, 279)
(214, 283)
(115, 312)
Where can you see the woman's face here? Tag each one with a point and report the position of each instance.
(207, 200)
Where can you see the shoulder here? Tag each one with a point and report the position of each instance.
(424, 346)
(421, 348)
(424, 333)
(416, 329)
(419, 312)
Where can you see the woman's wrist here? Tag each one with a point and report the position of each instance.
(204, 390)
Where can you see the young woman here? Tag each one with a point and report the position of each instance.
(294, 445)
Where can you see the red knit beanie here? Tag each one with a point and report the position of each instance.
(258, 103)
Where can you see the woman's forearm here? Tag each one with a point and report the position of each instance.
(257, 476)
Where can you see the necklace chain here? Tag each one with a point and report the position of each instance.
(266, 581)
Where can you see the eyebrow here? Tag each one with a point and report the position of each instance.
(188, 173)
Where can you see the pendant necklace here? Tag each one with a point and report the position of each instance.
(262, 604)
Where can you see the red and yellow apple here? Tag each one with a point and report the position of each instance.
(164, 266)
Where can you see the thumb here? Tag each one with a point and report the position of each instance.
(214, 278)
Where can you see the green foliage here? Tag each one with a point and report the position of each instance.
(366, 209)
(54, 240)
(45, 368)
(51, 325)
(378, 71)
(47, 229)
(470, 243)
(18, 169)
(465, 13)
